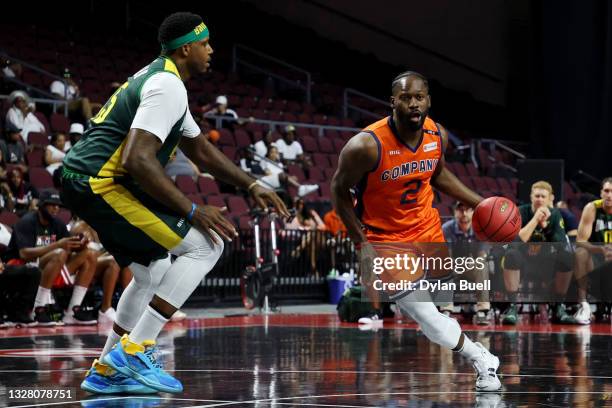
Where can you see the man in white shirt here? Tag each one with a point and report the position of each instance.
(290, 149)
(68, 90)
(262, 146)
(20, 115)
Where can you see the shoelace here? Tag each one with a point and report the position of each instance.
(153, 356)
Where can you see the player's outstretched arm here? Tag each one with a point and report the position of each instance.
(357, 158)
(206, 156)
(445, 181)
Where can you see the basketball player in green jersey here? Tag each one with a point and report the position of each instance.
(594, 246)
(114, 180)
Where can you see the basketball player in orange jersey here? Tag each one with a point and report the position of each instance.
(393, 164)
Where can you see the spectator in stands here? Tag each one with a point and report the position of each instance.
(69, 91)
(333, 223)
(74, 135)
(290, 149)
(180, 165)
(55, 152)
(262, 146)
(23, 195)
(250, 165)
(21, 115)
(41, 239)
(15, 149)
(12, 69)
(107, 270)
(18, 285)
(569, 220)
(311, 239)
(219, 109)
(463, 243)
(547, 264)
(275, 176)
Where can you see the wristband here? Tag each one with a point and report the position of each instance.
(253, 184)
(190, 215)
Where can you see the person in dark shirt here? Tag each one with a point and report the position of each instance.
(550, 264)
(459, 233)
(41, 239)
(569, 220)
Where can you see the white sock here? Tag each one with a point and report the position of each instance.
(78, 294)
(43, 297)
(469, 349)
(149, 326)
(111, 340)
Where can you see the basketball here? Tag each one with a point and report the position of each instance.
(214, 136)
(496, 219)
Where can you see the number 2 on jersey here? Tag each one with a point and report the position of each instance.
(414, 187)
(108, 106)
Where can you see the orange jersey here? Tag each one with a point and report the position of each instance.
(395, 198)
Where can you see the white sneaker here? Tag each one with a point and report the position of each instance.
(583, 314)
(486, 365)
(305, 189)
(178, 316)
(371, 319)
(107, 317)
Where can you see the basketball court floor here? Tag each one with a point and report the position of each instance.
(313, 360)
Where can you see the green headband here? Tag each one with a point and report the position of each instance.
(197, 34)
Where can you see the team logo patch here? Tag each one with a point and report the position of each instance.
(430, 146)
(503, 207)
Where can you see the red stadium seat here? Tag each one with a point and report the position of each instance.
(8, 218)
(35, 158)
(320, 160)
(40, 178)
(59, 123)
(208, 186)
(186, 184)
(296, 170)
(237, 205)
(309, 144)
(315, 175)
(215, 200)
(325, 145)
(38, 139)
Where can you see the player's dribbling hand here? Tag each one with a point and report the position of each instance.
(264, 197)
(207, 218)
(366, 254)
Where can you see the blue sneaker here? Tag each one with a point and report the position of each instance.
(139, 362)
(101, 379)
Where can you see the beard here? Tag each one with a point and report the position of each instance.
(45, 214)
(413, 126)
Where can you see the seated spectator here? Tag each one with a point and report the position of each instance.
(74, 135)
(40, 239)
(55, 152)
(262, 146)
(12, 69)
(22, 193)
(21, 115)
(250, 165)
(220, 109)
(69, 91)
(307, 220)
(107, 270)
(333, 223)
(570, 222)
(180, 165)
(275, 176)
(290, 149)
(15, 149)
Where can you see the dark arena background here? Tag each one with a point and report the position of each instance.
(524, 89)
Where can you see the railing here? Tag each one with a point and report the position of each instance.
(347, 106)
(54, 102)
(502, 145)
(273, 124)
(237, 59)
(305, 258)
(40, 91)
